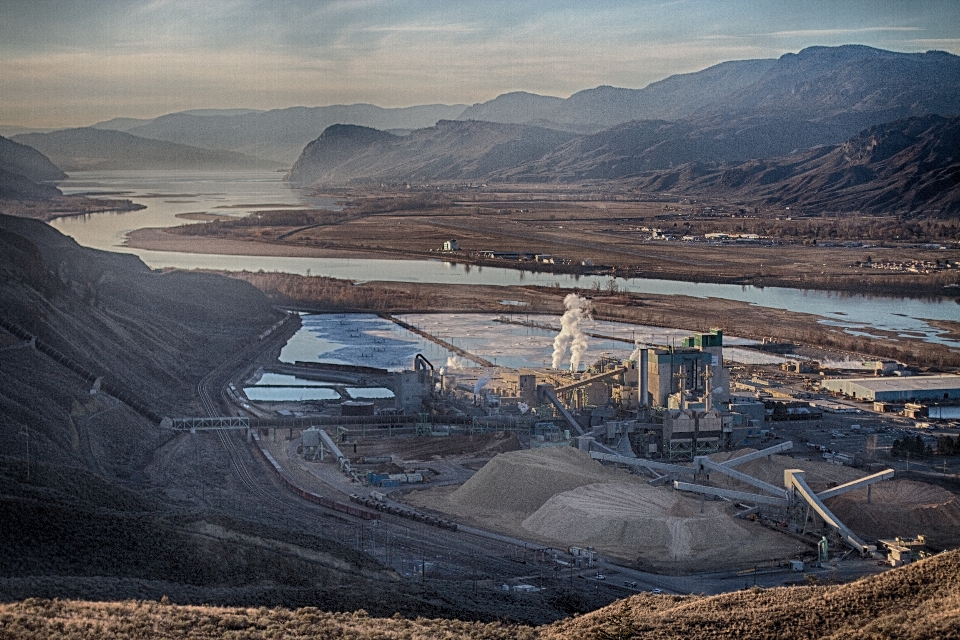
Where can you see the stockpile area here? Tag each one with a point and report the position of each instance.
(902, 508)
(897, 508)
(522, 481)
(561, 497)
(819, 474)
(661, 529)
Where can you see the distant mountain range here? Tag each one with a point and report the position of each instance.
(906, 165)
(278, 135)
(98, 149)
(707, 122)
(686, 129)
(593, 110)
(451, 150)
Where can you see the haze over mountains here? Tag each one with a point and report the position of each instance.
(280, 134)
(755, 110)
(87, 149)
(673, 134)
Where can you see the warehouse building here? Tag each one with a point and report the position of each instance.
(944, 387)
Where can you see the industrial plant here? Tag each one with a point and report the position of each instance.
(649, 462)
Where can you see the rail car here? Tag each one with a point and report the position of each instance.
(323, 501)
(379, 505)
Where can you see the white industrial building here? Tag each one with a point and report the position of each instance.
(943, 387)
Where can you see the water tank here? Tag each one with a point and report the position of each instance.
(311, 437)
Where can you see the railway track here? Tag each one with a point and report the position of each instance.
(210, 408)
(394, 540)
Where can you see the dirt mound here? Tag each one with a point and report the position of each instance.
(902, 508)
(660, 528)
(524, 480)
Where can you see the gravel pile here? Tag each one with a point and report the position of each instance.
(657, 527)
(521, 481)
(902, 508)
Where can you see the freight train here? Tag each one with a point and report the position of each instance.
(323, 501)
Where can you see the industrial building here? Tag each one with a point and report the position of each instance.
(942, 387)
(695, 368)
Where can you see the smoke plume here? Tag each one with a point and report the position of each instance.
(481, 383)
(571, 334)
(455, 362)
(638, 344)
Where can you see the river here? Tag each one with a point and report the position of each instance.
(168, 193)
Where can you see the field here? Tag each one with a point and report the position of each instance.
(584, 232)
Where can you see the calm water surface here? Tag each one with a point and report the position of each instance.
(168, 193)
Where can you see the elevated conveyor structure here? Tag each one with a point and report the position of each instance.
(794, 479)
(547, 392)
(341, 459)
(763, 453)
(856, 484)
(585, 381)
(731, 494)
(796, 490)
(702, 463)
(653, 465)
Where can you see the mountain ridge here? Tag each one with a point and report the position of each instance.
(87, 148)
(280, 135)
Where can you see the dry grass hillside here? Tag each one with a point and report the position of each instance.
(918, 601)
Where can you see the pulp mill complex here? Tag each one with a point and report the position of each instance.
(669, 453)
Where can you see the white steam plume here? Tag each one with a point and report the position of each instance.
(481, 383)
(571, 335)
(455, 362)
(638, 345)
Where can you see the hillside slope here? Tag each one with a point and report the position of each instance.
(451, 150)
(908, 165)
(23, 160)
(281, 134)
(921, 600)
(22, 169)
(100, 149)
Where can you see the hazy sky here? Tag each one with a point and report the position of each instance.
(75, 62)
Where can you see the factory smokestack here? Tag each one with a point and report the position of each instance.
(643, 366)
(571, 335)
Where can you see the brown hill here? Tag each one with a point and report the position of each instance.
(907, 165)
(921, 600)
(449, 151)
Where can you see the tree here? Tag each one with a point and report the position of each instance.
(779, 412)
(946, 446)
(621, 623)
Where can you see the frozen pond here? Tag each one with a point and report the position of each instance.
(290, 394)
(369, 340)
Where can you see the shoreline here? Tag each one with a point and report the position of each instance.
(159, 239)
